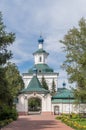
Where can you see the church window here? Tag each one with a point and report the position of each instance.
(39, 71)
(40, 59)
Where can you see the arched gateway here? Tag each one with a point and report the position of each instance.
(34, 105)
(35, 99)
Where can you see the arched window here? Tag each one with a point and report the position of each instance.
(40, 59)
(39, 71)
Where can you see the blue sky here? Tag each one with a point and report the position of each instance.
(28, 18)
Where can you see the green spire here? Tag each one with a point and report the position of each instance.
(34, 86)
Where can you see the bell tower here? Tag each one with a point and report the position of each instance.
(40, 55)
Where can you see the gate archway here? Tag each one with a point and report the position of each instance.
(34, 105)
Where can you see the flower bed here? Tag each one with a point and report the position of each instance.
(73, 121)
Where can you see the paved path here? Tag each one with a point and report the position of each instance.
(37, 122)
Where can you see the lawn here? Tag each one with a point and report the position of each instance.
(81, 122)
(74, 121)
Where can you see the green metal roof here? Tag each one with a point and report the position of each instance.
(63, 100)
(34, 86)
(41, 68)
(39, 51)
(63, 93)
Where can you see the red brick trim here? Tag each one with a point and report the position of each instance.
(22, 113)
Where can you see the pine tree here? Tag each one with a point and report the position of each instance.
(44, 84)
(53, 89)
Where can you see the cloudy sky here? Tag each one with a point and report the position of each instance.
(28, 18)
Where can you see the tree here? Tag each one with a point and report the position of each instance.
(75, 63)
(6, 39)
(14, 79)
(4, 91)
(44, 84)
(34, 104)
(53, 89)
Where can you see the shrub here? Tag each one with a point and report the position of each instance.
(5, 122)
(74, 115)
(13, 114)
(8, 113)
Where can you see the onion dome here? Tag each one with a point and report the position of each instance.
(64, 84)
(40, 40)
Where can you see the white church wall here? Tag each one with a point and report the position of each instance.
(22, 105)
(27, 79)
(47, 100)
(37, 59)
(43, 58)
(70, 108)
(48, 77)
(64, 108)
(47, 106)
(79, 108)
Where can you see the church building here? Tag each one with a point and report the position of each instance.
(34, 98)
(43, 70)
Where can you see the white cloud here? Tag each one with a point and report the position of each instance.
(53, 44)
(20, 52)
(52, 17)
(63, 78)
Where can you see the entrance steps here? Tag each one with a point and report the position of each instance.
(34, 112)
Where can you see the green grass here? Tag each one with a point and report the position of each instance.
(74, 121)
(83, 122)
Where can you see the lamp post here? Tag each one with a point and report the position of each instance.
(79, 104)
(62, 106)
(69, 105)
(25, 98)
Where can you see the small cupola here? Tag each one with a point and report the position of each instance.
(40, 41)
(64, 84)
(40, 55)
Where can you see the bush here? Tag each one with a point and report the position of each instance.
(8, 113)
(5, 122)
(59, 117)
(74, 115)
(13, 114)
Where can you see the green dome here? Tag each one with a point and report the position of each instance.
(39, 51)
(41, 68)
